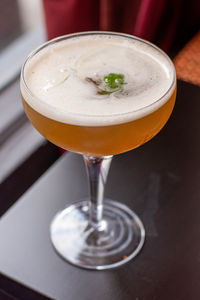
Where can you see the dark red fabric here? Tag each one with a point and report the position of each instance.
(67, 16)
(154, 20)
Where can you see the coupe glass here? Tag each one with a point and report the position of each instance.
(98, 233)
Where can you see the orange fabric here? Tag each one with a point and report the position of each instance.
(187, 62)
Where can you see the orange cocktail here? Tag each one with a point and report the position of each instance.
(98, 94)
(101, 140)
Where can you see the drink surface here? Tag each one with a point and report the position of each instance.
(65, 79)
(66, 95)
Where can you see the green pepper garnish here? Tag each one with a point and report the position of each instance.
(113, 82)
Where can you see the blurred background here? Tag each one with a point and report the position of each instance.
(21, 27)
(21, 146)
(25, 24)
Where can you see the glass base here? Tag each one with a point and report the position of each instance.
(116, 240)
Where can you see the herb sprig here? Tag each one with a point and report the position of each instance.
(111, 83)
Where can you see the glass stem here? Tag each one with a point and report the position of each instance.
(97, 170)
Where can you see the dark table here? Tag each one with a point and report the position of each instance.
(160, 181)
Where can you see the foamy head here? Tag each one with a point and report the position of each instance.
(55, 79)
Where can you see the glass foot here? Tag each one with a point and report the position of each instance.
(116, 240)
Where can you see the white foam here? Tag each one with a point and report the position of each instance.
(56, 77)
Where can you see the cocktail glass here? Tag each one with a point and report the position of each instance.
(98, 233)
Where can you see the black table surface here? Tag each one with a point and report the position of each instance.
(160, 181)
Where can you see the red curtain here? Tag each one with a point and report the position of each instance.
(154, 20)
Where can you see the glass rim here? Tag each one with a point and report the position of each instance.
(77, 34)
